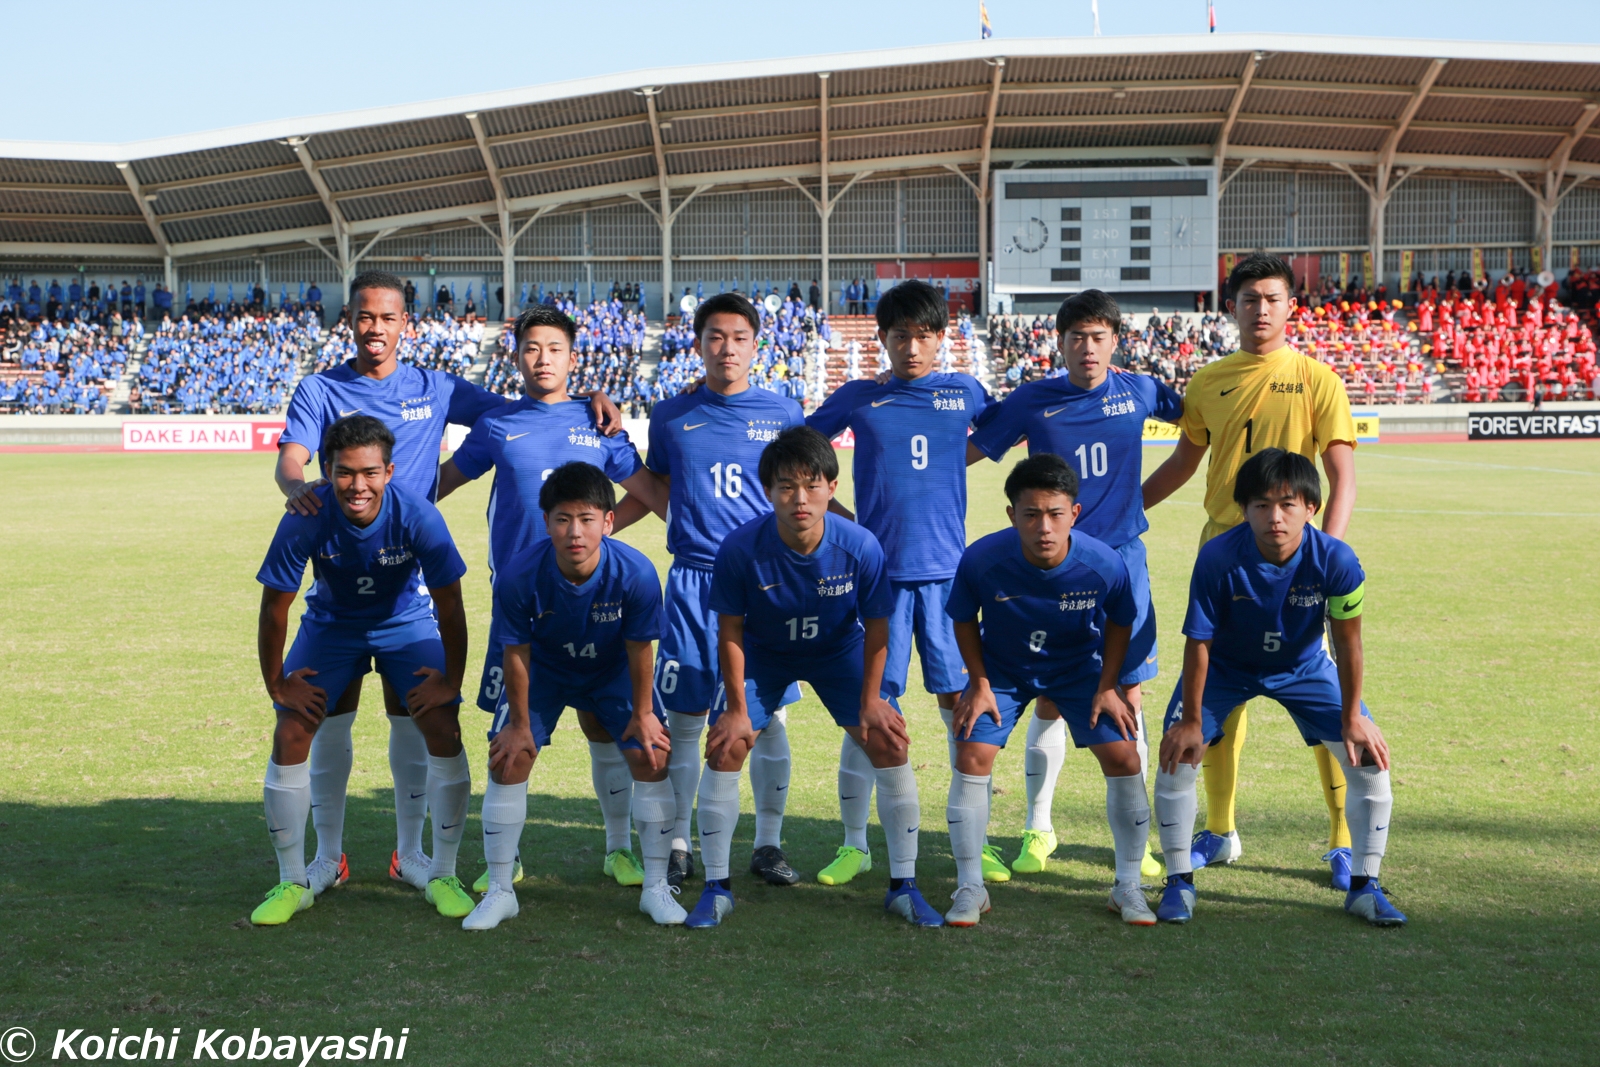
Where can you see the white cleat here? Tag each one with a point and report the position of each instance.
(412, 870)
(657, 902)
(324, 874)
(496, 906)
(968, 903)
(1127, 899)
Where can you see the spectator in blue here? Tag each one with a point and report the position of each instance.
(138, 298)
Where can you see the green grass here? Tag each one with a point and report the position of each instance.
(133, 842)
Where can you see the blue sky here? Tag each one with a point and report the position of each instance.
(119, 74)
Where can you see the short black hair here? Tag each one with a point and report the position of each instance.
(798, 450)
(912, 302)
(376, 279)
(734, 303)
(577, 483)
(357, 431)
(1259, 266)
(1046, 471)
(1274, 467)
(1091, 305)
(544, 315)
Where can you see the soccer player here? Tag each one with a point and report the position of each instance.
(705, 444)
(1094, 419)
(578, 612)
(1266, 395)
(383, 561)
(1057, 612)
(802, 595)
(523, 442)
(1257, 601)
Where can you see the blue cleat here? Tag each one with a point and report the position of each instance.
(715, 903)
(1370, 903)
(1177, 900)
(1208, 848)
(907, 903)
(1339, 860)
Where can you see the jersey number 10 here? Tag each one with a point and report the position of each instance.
(1092, 459)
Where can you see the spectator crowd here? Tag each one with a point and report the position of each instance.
(231, 363)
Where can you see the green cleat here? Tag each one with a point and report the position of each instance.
(283, 900)
(481, 886)
(624, 866)
(1149, 867)
(1036, 848)
(450, 897)
(994, 868)
(847, 863)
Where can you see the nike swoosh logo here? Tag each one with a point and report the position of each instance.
(514, 436)
(913, 830)
(1052, 414)
(1141, 822)
(1225, 392)
(452, 826)
(346, 414)
(708, 833)
(416, 795)
(1336, 788)
(279, 830)
(1385, 826)
(774, 585)
(856, 797)
(1357, 604)
(952, 822)
(696, 426)
(880, 403)
(668, 830)
(998, 599)
(1032, 774)
(491, 833)
(614, 792)
(1169, 824)
(1242, 596)
(780, 788)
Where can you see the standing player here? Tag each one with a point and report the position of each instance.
(802, 595)
(578, 612)
(377, 553)
(523, 442)
(706, 444)
(1266, 395)
(1058, 609)
(1094, 419)
(1257, 602)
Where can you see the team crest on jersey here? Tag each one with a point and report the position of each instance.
(949, 400)
(763, 429)
(417, 409)
(836, 585)
(607, 612)
(1305, 595)
(394, 557)
(584, 436)
(1122, 405)
(1276, 386)
(1080, 600)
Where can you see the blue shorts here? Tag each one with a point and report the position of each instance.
(341, 654)
(919, 612)
(492, 683)
(1140, 664)
(1072, 699)
(688, 674)
(769, 680)
(1310, 693)
(611, 703)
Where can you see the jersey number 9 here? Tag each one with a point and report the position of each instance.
(919, 453)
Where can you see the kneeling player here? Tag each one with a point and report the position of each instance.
(1255, 623)
(1058, 610)
(579, 612)
(376, 559)
(802, 595)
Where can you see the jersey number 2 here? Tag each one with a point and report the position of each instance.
(364, 585)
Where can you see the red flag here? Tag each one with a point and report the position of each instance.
(1211, 15)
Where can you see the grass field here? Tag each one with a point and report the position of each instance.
(134, 846)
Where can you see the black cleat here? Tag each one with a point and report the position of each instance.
(770, 863)
(680, 867)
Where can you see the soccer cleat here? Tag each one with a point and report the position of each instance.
(1208, 848)
(1127, 900)
(496, 907)
(660, 904)
(624, 866)
(481, 886)
(994, 868)
(907, 903)
(283, 901)
(1370, 903)
(1338, 860)
(770, 863)
(1149, 867)
(715, 903)
(326, 874)
(449, 896)
(967, 903)
(412, 870)
(1036, 848)
(1177, 900)
(847, 863)
(680, 867)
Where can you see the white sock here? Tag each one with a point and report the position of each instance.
(613, 787)
(1176, 806)
(1128, 812)
(683, 771)
(1141, 739)
(719, 815)
(449, 790)
(286, 793)
(968, 815)
(949, 717)
(769, 778)
(1368, 803)
(505, 810)
(1041, 762)
(330, 777)
(901, 814)
(856, 778)
(655, 811)
(408, 762)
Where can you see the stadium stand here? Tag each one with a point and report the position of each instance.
(230, 363)
(442, 343)
(607, 352)
(1172, 348)
(62, 368)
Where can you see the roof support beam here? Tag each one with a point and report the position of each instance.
(502, 210)
(1548, 198)
(664, 213)
(341, 233)
(1219, 147)
(825, 205)
(145, 209)
(997, 73)
(1383, 184)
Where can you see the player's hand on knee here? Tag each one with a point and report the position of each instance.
(648, 731)
(1363, 737)
(301, 697)
(1114, 706)
(878, 715)
(729, 738)
(1184, 743)
(433, 692)
(976, 701)
(511, 752)
(303, 500)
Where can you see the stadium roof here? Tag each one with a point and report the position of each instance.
(501, 158)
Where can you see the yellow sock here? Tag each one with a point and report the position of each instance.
(1221, 766)
(1333, 795)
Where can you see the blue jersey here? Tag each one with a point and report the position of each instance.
(1099, 431)
(1262, 618)
(910, 465)
(796, 605)
(414, 403)
(524, 442)
(365, 576)
(578, 634)
(1043, 627)
(710, 446)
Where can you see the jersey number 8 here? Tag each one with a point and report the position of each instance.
(1036, 641)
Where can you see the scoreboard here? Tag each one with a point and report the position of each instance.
(1134, 229)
